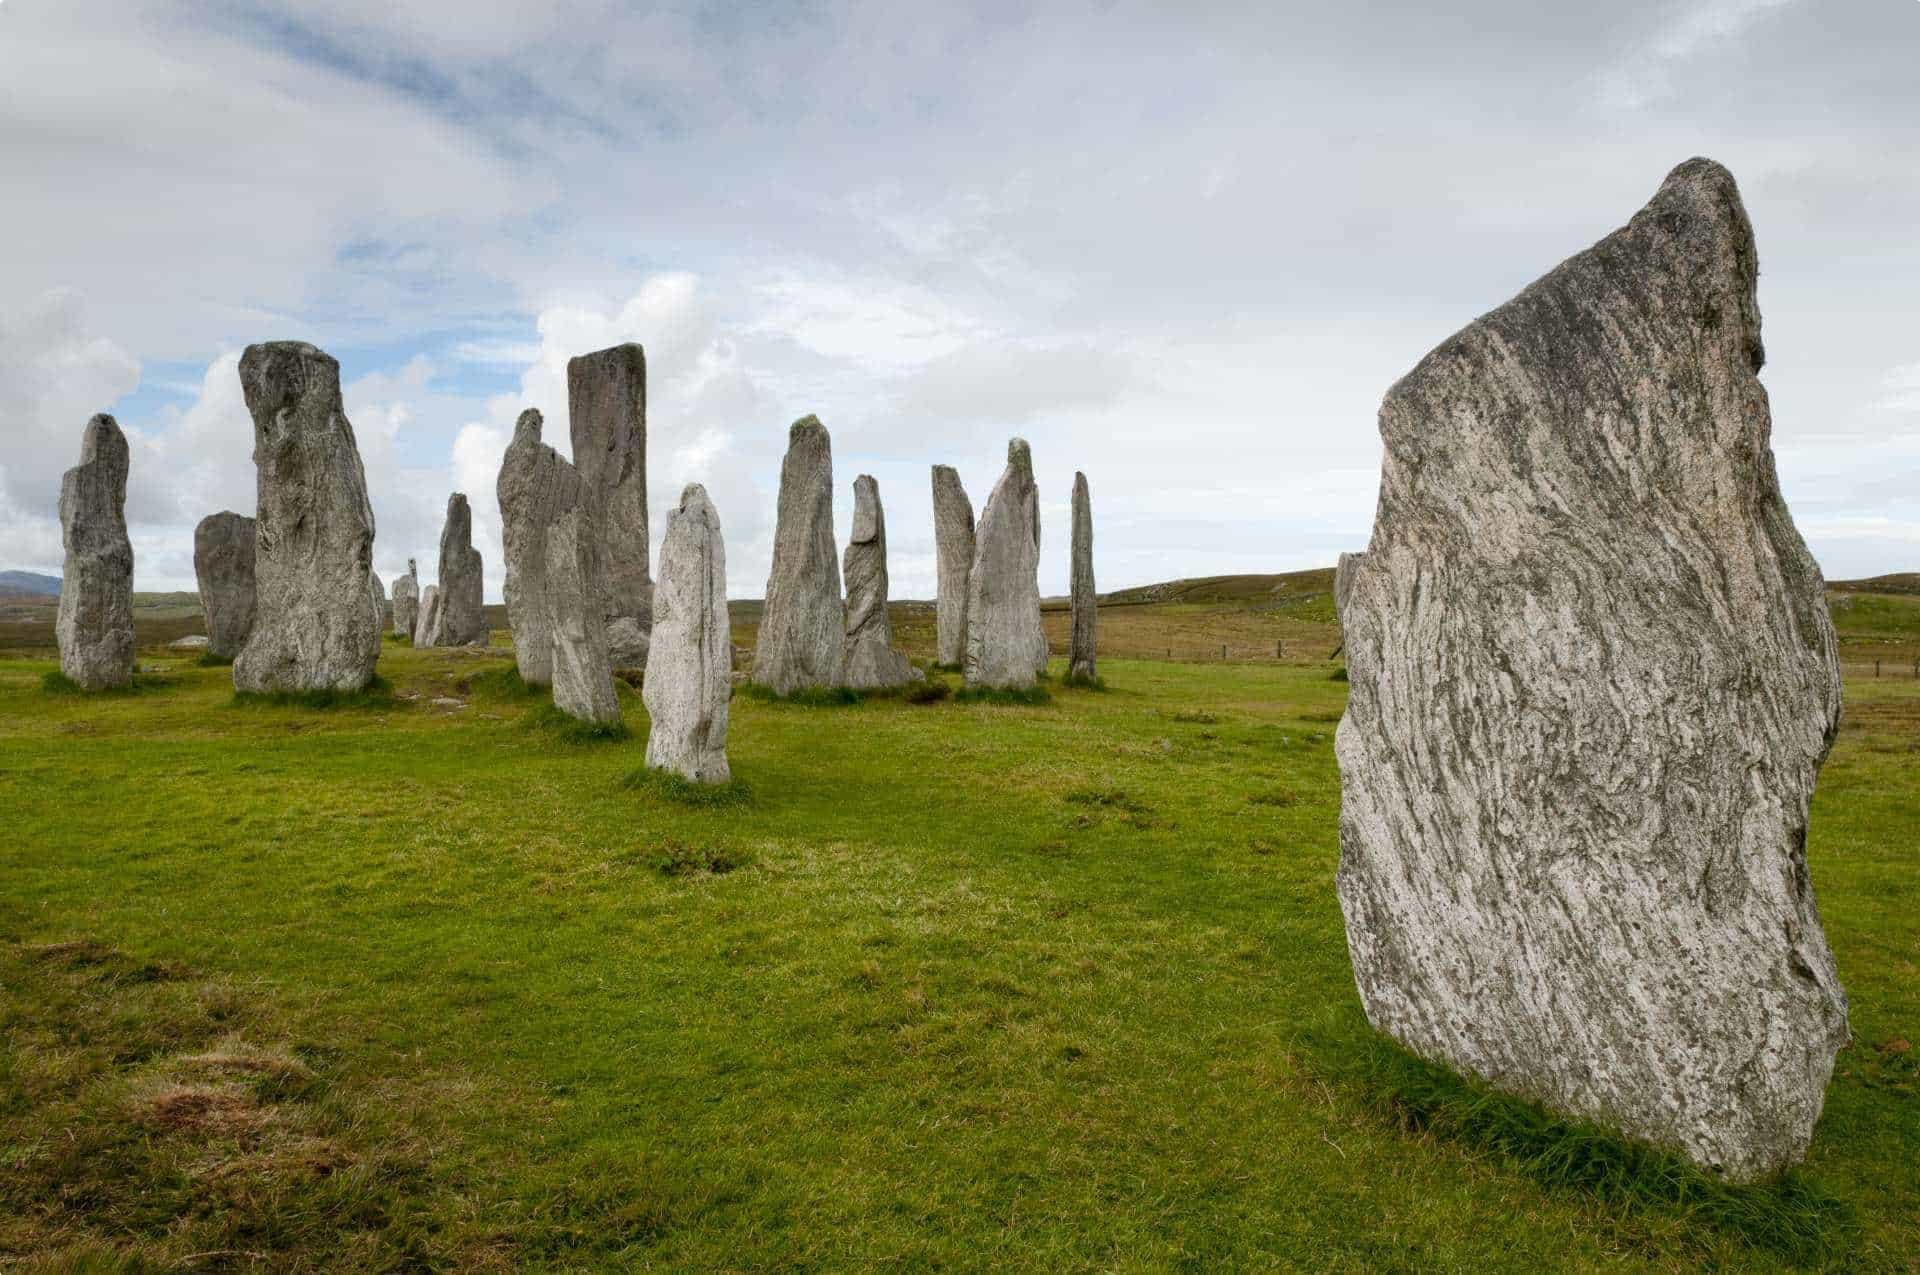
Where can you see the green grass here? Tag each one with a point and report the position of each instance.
(1030, 696)
(376, 695)
(209, 660)
(677, 790)
(547, 720)
(802, 697)
(954, 985)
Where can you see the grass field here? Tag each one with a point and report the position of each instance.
(405, 986)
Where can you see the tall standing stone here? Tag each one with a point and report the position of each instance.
(94, 624)
(690, 663)
(953, 547)
(607, 405)
(582, 672)
(427, 631)
(534, 481)
(802, 626)
(223, 567)
(1086, 603)
(869, 660)
(1006, 647)
(463, 619)
(312, 629)
(406, 600)
(1592, 681)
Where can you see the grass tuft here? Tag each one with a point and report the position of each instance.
(1028, 695)
(549, 720)
(1338, 675)
(681, 791)
(501, 685)
(1078, 683)
(377, 694)
(931, 691)
(804, 697)
(678, 859)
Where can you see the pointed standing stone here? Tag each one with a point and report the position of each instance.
(312, 629)
(690, 663)
(463, 621)
(223, 568)
(406, 600)
(1593, 680)
(533, 480)
(869, 660)
(1006, 647)
(1086, 603)
(428, 632)
(582, 674)
(954, 548)
(802, 627)
(94, 623)
(607, 405)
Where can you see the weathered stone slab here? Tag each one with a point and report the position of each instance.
(582, 675)
(954, 548)
(607, 405)
(223, 567)
(463, 621)
(534, 484)
(377, 594)
(1086, 603)
(802, 627)
(313, 529)
(94, 622)
(689, 665)
(406, 600)
(869, 661)
(1592, 681)
(1006, 647)
(428, 632)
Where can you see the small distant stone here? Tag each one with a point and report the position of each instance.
(191, 642)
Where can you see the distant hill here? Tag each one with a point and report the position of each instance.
(1258, 589)
(29, 582)
(1898, 582)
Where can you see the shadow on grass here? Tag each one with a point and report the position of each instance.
(547, 720)
(804, 697)
(54, 682)
(209, 660)
(1073, 682)
(377, 694)
(680, 791)
(1790, 1216)
(1029, 695)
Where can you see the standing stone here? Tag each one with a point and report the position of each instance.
(406, 600)
(869, 661)
(690, 664)
(428, 631)
(1592, 681)
(377, 594)
(534, 481)
(953, 547)
(463, 621)
(582, 671)
(1006, 648)
(223, 566)
(94, 624)
(607, 404)
(1086, 603)
(802, 627)
(312, 628)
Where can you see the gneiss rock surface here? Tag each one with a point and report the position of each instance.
(1592, 681)
(582, 675)
(953, 548)
(427, 631)
(94, 623)
(406, 600)
(802, 627)
(534, 485)
(313, 529)
(1006, 647)
(463, 622)
(377, 594)
(689, 666)
(1086, 603)
(607, 422)
(223, 568)
(869, 661)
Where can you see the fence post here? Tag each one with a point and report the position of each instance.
(1223, 652)
(1279, 649)
(1876, 668)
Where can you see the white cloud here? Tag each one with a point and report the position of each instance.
(1648, 74)
(55, 373)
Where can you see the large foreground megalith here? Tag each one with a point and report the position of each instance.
(313, 628)
(223, 568)
(607, 423)
(953, 549)
(802, 626)
(869, 661)
(1006, 648)
(690, 663)
(534, 481)
(406, 600)
(463, 618)
(94, 622)
(1081, 665)
(1592, 681)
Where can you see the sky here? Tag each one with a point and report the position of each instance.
(1184, 248)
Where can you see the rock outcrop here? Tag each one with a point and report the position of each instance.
(869, 661)
(803, 626)
(313, 529)
(607, 407)
(94, 623)
(406, 600)
(582, 676)
(953, 548)
(535, 483)
(1086, 603)
(1006, 647)
(463, 619)
(690, 664)
(223, 568)
(427, 632)
(1592, 681)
